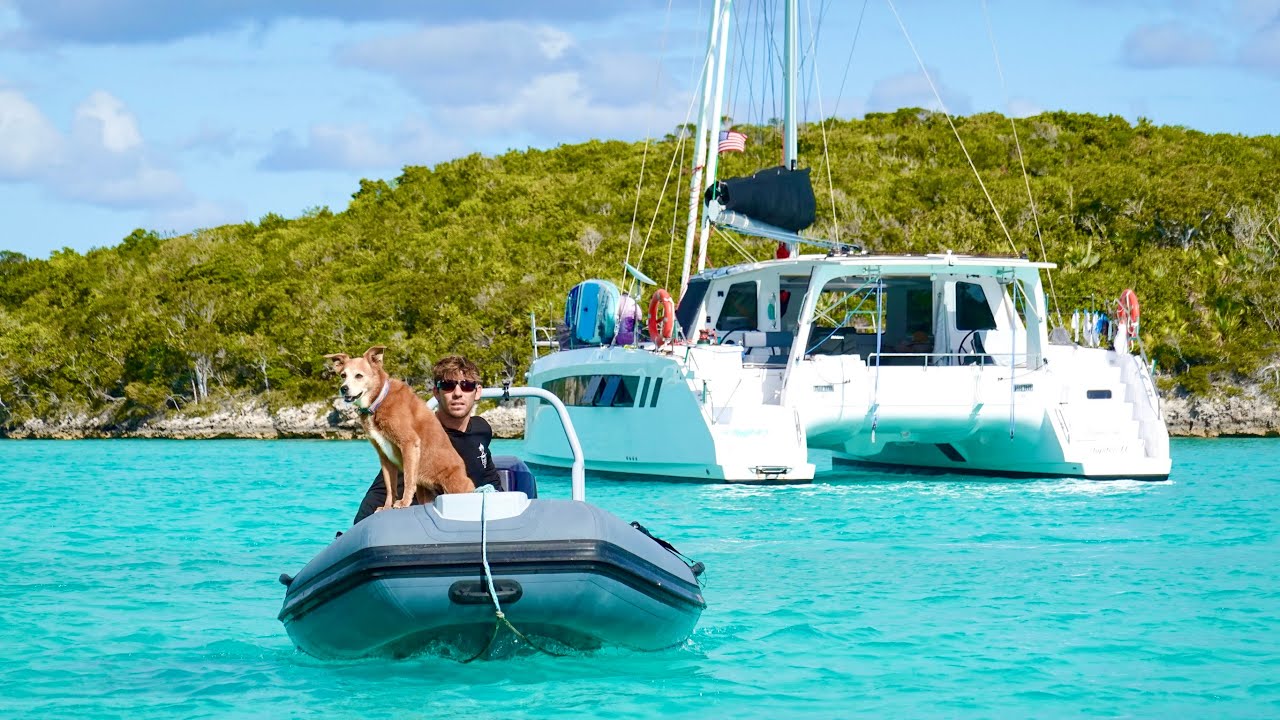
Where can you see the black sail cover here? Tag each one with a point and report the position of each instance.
(778, 196)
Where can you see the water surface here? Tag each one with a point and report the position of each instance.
(138, 579)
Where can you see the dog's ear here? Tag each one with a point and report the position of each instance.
(338, 360)
(374, 355)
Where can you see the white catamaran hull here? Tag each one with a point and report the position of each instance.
(953, 419)
(998, 400)
(665, 425)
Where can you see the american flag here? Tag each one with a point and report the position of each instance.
(732, 141)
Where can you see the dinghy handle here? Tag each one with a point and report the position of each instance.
(505, 393)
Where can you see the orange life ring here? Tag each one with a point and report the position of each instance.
(1127, 310)
(661, 300)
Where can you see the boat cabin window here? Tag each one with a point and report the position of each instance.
(595, 390)
(973, 312)
(845, 320)
(739, 310)
(891, 318)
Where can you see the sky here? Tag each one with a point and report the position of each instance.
(174, 116)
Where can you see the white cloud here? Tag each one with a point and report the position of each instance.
(351, 147)
(103, 121)
(509, 84)
(117, 22)
(197, 214)
(215, 141)
(421, 143)
(446, 64)
(137, 184)
(1256, 13)
(1021, 108)
(1169, 44)
(1262, 51)
(101, 161)
(28, 141)
(912, 89)
(559, 105)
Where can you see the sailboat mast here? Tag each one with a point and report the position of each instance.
(700, 151)
(791, 49)
(713, 134)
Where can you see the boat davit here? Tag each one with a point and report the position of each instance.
(455, 573)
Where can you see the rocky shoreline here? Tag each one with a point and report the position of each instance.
(1247, 412)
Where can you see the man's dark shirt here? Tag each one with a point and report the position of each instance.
(472, 446)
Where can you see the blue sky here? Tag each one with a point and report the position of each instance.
(172, 116)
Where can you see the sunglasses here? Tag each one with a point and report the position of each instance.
(449, 385)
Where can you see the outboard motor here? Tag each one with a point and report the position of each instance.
(515, 476)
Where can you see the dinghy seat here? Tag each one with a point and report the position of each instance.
(515, 476)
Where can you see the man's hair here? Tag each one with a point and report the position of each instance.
(454, 365)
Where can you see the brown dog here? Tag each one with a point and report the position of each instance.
(407, 435)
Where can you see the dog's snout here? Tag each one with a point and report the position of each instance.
(344, 390)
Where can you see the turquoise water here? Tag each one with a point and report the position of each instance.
(138, 579)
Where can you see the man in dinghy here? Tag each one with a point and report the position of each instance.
(456, 387)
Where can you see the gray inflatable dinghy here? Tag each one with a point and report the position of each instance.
(402, 579)
(405, 580)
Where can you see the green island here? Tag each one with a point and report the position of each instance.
(456, 257)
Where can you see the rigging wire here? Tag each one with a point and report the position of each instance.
(680, 145)
(809, 55)
(1035, 215)
(947, 115)
(857, 32)
(648, 139)
(734, 244)
(675, 214)
(822, 123)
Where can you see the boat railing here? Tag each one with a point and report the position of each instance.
(954, 359)
(577, 472)
(543, 337)
(1148, 379)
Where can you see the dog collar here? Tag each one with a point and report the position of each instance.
(386, 386)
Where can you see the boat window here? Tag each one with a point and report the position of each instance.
(973, 312)
(595, 390)
(739, 310)
(919, 311)
(791, 292)
(845, 320)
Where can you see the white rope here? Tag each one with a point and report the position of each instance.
(644, 157)
(1013, 349)
(875, 393)
(484, 491)
(734, 244)
(1026, 179)
(848, 63)
(822, 123)
(950, 122)
(675, 215)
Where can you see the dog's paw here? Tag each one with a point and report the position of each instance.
(403, 503)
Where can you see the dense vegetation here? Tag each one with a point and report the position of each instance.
(454, 258)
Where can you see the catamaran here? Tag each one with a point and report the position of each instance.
(940, 362)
